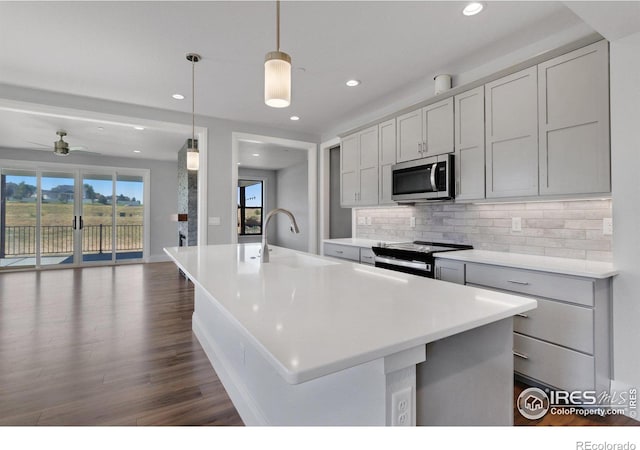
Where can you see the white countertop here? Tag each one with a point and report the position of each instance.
(357, 242)
(565, 266)
(310, 316)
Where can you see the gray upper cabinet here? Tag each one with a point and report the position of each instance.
(368, 193)
(437, 128)
(573, 92)
(409, 136)
(511, 109)
(425, 132)
(469, 144)
(387, 141)
(359, 168)
(349, 167)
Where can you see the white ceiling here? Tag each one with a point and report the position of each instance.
(269, 156)
(134, 52)
(33, 131)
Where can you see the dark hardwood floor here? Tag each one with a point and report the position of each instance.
(104, 346)
(113, 346)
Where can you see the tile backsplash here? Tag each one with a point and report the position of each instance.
(567, 229)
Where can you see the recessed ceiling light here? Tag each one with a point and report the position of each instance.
(136, 151)
(352, 83)
(138, 128)
(256, 154)
(178, 96)
(472, 9)
(294, 118)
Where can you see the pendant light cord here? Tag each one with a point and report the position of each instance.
(278, 25)
(193, 102)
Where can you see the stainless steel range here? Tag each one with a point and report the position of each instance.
(413, 257)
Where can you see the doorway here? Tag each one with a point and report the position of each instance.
(310, 195)
(54, 216)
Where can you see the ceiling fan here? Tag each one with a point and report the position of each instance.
(62, 148)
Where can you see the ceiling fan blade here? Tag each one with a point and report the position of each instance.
(81, 151)
(40, 144)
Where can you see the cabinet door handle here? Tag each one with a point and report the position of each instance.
(523, 283)
(340, 251)
(424, 146)
(524, 316)
(367, 257)
(520, 355)
(420, 147)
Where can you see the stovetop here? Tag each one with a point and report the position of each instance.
(425, 247)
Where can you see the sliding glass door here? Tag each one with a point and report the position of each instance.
(58, 218)
(51, 217)
(129, 208)
(18, 218)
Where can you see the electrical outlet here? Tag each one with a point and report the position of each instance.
(402, 407)
(607, 226)
(362, 221)
(412, 222)
(516, 224)
(368, 220)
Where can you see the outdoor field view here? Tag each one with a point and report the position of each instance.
(58, 218)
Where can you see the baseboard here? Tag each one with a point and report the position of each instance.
(248, 411)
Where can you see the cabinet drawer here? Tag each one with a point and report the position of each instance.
(561, 287)
(342, 251)
(560, 323)
(367, 256)
(553, 365)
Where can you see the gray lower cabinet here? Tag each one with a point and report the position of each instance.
(563, 343)
(363, 255)
(451, 271)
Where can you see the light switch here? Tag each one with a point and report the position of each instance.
(368, 220)
(412, 222)
(362, 221)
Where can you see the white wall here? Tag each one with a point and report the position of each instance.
(292, 189)
(163, 185)
(219, 187)
(269, 189)
(625, 153)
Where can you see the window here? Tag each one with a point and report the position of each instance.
(249, 207)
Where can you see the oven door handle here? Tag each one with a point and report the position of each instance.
(418, 265)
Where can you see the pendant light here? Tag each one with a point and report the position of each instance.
(193, 155)
(277, 73)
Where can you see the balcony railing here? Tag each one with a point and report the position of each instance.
(55, 240)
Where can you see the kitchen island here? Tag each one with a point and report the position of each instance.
(306, 340)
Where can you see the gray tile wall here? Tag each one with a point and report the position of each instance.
(567, 229)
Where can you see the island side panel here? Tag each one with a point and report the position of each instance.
(355, 396)
(467, 379)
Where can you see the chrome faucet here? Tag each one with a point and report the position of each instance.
(264, 251)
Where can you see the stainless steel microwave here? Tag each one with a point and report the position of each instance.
(423, 180)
